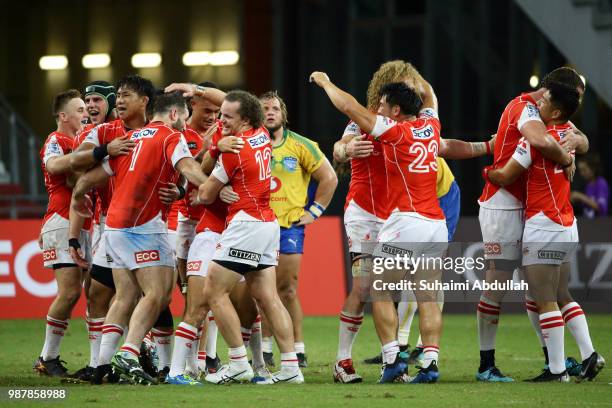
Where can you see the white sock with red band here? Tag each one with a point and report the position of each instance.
(191, 362)
(390, 351)
(576, 322)
(238, 356)
(289, 363)
(184, 337)
(534, 318)
(131, 349)
(211, 337)
(430, 355)
(163, 343)
(347, 332)
(111, 336)
(256, 344)
(552, 327)
(488, 319)
(94, 331)
(54, 333)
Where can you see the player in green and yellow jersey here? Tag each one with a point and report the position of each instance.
(295, 161)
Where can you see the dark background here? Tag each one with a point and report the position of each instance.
(478, 54)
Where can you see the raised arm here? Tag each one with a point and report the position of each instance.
(345, 102)
(213, 95)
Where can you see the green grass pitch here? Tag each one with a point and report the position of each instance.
(518, 354)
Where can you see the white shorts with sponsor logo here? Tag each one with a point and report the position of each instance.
(55, 247)
(413, 235)
(201, 253)
(549, 246)
(362, 229)
(185, 233)
(132, 251)
(249, 242)
(502, 232)
(100, 256)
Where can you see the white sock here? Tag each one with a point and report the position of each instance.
(111, 336)
(390, 351)
(347, 332)
(211, 337)
(266, 344)
(191, 363)
(202, 360)
(405, 314)
(132, 350)
(94, 330)
(238, 355)
(255, 344)
(54, 333)
(430, 355)
(552, 331)
(163, 343)
(300, 347)
(488, 317)
(184, 337)
(534, 318)
(576, 322)
(289, 362)
(246, 336)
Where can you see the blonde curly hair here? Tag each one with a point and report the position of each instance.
(391, 71)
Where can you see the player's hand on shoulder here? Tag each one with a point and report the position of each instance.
(169, 194)
(120, 146)
(228, 195)
(319, 78)
(230, 144)
(570, 141)
(359, 148)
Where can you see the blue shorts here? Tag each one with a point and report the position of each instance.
(451, 206)
(292, 240)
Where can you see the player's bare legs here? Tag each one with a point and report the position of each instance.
(68, 292)
(543, 283)
(287, 284)
(430, 314)
(156, 283)
(181, 267)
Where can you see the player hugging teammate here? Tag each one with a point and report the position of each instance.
(218, 201)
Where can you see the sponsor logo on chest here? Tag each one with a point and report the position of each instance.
(146, 133)
(258, 140)
(425, 132)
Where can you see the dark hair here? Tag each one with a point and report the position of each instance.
(563, 75)
(138, 84)
(398, 93)
(61, 99)
(594, 162)
(565, 98)
(250, 107)
(166, 101)
(274, 95)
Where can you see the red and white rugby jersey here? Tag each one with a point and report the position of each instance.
(195, 143)
(548, 189)
(249, 173)
(140, 175)
(56, 145)
(368, 187)
(519, 111)
(213, 215)
(411, 151)
(99, 135)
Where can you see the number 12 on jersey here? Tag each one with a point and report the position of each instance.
(263, 158)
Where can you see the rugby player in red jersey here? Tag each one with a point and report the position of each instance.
(249, 245)
(501, 208)
(550, 238)
(136, 236)
(68, 109)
